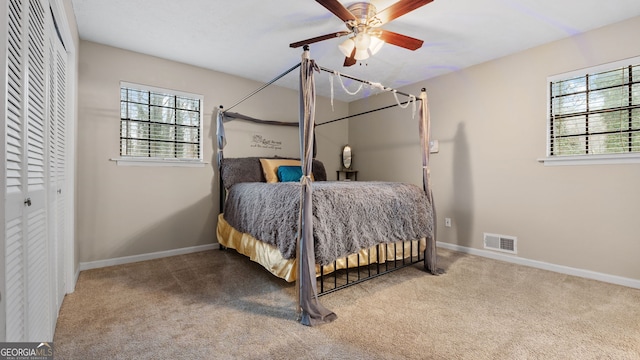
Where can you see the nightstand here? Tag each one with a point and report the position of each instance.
(349, 174)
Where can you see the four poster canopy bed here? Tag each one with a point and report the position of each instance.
(283, 214)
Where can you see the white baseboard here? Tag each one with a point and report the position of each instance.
(142, 257)
(588, 274)
(72, 288)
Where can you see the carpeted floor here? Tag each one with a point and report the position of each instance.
(219, 305)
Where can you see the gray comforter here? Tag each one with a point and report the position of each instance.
(348, 215)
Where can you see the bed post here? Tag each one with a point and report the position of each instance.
(222, 141)
(310, 311)
(430, 254)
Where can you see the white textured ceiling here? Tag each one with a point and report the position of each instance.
(251, 38)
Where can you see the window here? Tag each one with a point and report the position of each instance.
(159, 125)
(595, 112)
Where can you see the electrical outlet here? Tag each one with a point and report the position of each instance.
(447, 222)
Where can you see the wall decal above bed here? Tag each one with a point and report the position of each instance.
(264, 142)
(310, 311)
(253, 137)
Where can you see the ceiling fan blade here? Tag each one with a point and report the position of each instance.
(351, 59)
(337, 9)
(399, 8)
(404, 41)
(348, 61)
(319, 38)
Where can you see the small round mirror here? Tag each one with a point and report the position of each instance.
(346, 157)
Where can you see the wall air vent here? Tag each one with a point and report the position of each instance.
(502, 243)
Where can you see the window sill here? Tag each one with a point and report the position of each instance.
(158, 162)
(607, 159)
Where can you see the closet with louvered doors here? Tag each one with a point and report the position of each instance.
(35, 171)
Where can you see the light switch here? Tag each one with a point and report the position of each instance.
(433, 146)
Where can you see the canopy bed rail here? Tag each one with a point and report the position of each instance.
(364, 113)
(376, 258)
(267, 84)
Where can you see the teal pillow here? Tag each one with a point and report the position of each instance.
(289, 173)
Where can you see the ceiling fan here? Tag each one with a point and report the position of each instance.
(364, 22)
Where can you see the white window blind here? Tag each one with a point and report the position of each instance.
(160, 124)
(596, 112)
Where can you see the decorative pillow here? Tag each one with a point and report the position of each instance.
(270, 167)
(249, 169)
(237, 170)
(288, 173)
(319, 173)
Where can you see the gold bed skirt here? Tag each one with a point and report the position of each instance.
(271, 259)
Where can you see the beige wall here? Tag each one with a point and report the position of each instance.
(490, 121)
(123, 211)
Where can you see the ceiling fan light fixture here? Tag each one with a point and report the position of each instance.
(375, 45)
(347, 47)
(361, 54)
(362, 40)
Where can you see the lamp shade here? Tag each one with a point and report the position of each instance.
(362, 40)
(364, 44)
(361, 54)
(347, 47)
(375, 45)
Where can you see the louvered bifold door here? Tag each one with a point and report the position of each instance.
(38, 257)
(15, 191)
(27, 273)
(57, 162)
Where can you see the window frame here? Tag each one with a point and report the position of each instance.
(132, 160)
(585, 159)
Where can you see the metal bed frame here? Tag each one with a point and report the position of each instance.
(345, 277)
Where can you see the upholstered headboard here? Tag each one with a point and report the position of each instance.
(249, 169)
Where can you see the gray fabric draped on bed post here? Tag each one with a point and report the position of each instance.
(222, 140)
(431, 257)
(310, 311)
